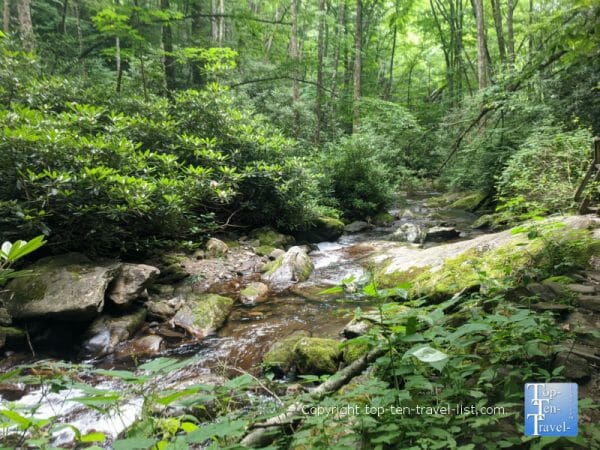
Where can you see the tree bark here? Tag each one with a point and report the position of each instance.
(221, 22)
(6, 17)
(388, 91)
(25, 25)
(320, 53)
(167, 47)
(213, 21)
(279, 13)
(358, 44)
(497, 13)
(481, 51)
(295, 57)
(511, 34)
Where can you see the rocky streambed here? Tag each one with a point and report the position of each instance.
(236, 305)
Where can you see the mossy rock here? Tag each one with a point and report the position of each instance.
(441, 201)
(280, 357)
(270, 267)
(203, 314)
(469, 202)
(352, 352)
(383, 219)
(10, 334)
(67, 287)
(317, 356)
(264, 250)
(268, 237)
(324, 229)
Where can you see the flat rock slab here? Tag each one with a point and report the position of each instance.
(69, 287)
(590, 302)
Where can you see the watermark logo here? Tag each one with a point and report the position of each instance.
(551, 409)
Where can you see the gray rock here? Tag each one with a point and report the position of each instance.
(161, 310)
(144, 346)
(441, 234)
(106, 332)
(541, 290)
(203, 314)
(216, 248)
(557, 308)
(356, 328)
(408, 232)
(295, 265)
(276, 254)
(255, 292)
(131, 283)
(576, 368)
(582, 288)
(589, 302)
(5, 318)
(356, 227)
(69, 287)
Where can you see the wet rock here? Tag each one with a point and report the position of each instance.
(141, 347)
(216, 248)
(164, 290)
(203, 314)
(576, 368)
(10, 334)
(295, 265)
(131, 283)
(255, 292)
(408, 232)
(199, 254)
(356, 328)
(353, 351)
(5, 318)
(276, 254)
(270, 237)
(324, 229)
(441, 234)
(280, 357)
(470, 202)
(173, 273)
(356, 227)
(383, 219)
(265, 250)
(106, 332)
(317, 356)
(69, 286)
(160, 310)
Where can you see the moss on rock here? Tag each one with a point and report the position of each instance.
(264, 250)
(269, 237)
(383, 219)
(469, 202)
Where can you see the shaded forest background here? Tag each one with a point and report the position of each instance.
(128, 125)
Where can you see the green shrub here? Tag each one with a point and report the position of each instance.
(542, 176)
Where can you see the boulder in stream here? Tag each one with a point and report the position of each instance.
(131, 283)
(324, 229)
(106, 332)
(408, 232)
(441, 234)
(295, 265)
(68, 287)
(356, 227)
(268, 237)
(255, 292)
(216, 248)
(203, 314)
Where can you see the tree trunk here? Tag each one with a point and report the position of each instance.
(63, 18)
(25, 25)
(481, 52)
(214, 23)
(497, 13)
(388, 91)
(295, 56)
(320, 53)
(511, 34)
(279, 13)
(221, 22)
(358, 43)
(167, 47)
(6, 17)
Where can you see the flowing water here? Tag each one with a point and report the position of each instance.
(251, 331)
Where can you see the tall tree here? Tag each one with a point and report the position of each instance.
(167, 47)
(320, 54)
(511, 33)
(25, 25)
(6, 17)
(481, 50)
(497, 14)
(358, 44)
(295, 57)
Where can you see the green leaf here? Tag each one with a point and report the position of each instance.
(95, 436)
(431, 356)
(133, 444)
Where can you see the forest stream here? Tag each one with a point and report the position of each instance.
(249, 330)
